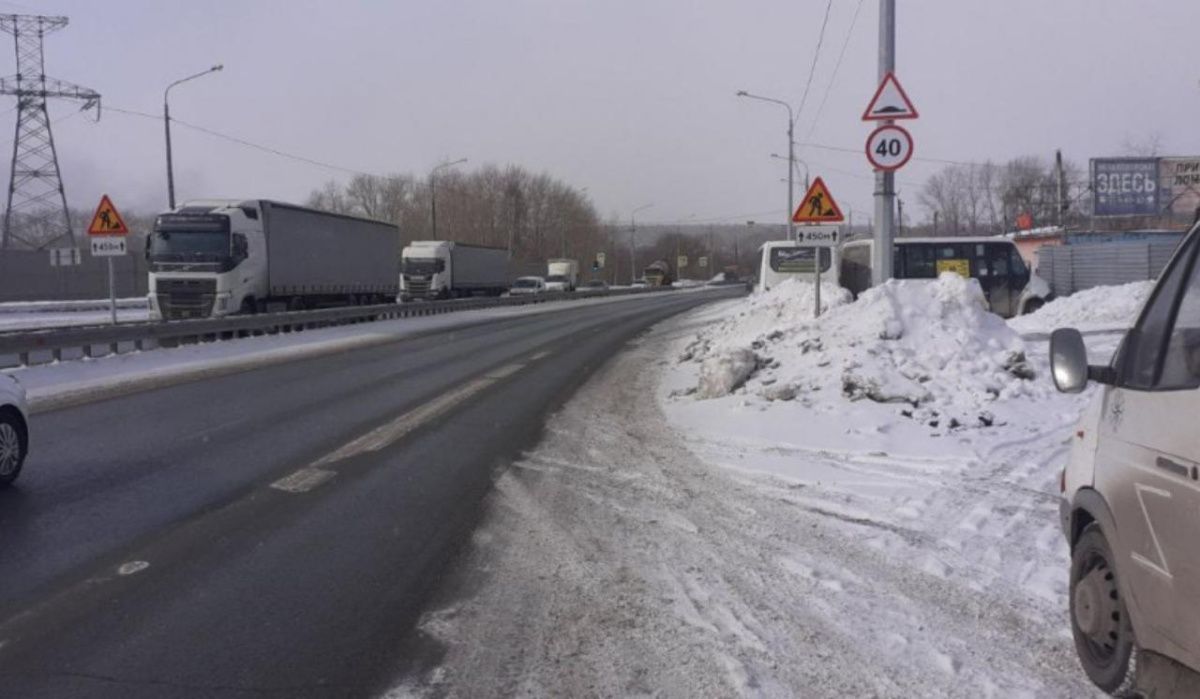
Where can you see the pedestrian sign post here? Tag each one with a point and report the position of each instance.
(818, 206)
(890, 102)
(818, 236)
(107, 232)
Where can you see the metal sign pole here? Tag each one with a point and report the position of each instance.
(817, 282)
(112, 291)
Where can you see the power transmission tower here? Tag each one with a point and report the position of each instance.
(37, 202)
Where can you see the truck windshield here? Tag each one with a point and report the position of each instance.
(423, 265)
(189, 245)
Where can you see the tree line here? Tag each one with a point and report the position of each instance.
(989, 198)
(533, 216)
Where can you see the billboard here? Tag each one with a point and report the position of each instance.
(1125, 186)
(1179, 185)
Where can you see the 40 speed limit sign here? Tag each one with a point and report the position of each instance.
(889, 147)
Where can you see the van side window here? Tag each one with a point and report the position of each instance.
(1164, 351)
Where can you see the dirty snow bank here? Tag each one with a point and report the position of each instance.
(924, 353)
(1098, 308)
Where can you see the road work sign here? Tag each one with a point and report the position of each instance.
(890, 102)
(106, 220)
(108, 246)
(818, 206)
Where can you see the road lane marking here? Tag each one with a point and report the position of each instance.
(540, 355)
(132, 567)
(303, 480)
(388, 434)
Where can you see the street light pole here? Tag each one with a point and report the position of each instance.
(798, 161)
(433, 192)
(167, 127)
(791, 154)
(633, 242)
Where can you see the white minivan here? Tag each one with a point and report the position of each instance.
(1130, 503)
(779, 260)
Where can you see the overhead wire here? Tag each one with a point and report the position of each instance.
(816, 56)
(836, 67)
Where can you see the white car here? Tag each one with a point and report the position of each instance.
(14, 429)
(1130, 503)
(528, 285)
(558, 282)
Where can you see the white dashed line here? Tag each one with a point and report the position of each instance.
(132, 567)
(303, 480)
(540, 355)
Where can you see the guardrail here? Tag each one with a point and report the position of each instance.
(30, 347)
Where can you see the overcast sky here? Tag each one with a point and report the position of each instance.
(633, 99)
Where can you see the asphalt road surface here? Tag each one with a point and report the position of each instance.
(275, 532)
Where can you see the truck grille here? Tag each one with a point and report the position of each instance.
(185, 298)
(416, 286)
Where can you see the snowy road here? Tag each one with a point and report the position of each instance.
(622, 557)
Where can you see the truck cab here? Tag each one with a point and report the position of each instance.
(425, 270)
(206, 259)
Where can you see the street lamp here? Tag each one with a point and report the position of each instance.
(797, 162)
(633, 242)
(433, 190)
(167, 125)
(791, 150)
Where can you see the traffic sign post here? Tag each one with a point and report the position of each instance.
(107, 232)
(890, 102)
(889, 147)
(818, 207)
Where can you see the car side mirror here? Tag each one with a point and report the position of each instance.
(1068, 360)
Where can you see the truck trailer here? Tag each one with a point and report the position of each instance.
(213, 258)
(442, 269)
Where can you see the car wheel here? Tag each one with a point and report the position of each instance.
(1100, 623)
(13, 446)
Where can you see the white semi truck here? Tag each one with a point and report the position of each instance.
(213, 258)
(562, 275)
(442, 269)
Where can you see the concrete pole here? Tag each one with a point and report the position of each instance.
(885, 182)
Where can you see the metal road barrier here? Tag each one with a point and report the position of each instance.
(29, 347)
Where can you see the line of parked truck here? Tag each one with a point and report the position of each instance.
(212, 258)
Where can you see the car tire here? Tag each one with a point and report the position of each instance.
(14, 445)
(1100, 623)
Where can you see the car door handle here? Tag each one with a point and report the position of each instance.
(1175, 467)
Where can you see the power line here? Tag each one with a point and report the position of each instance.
(837, 66)
(244, 142)
(816, 55)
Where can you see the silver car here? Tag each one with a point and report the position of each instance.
(14, 429)
(1131, 494)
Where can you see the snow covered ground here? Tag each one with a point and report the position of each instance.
(749, 503)
(1098, 308)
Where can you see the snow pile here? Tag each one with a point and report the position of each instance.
(926, 351)
(1100, 307)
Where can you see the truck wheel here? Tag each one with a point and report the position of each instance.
(14, 444)
(1103, 633)
(249, 306)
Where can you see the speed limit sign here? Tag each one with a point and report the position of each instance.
(889, 147)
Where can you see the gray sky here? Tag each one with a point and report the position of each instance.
(633, 99)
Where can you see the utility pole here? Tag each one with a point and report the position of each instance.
(1062, 190)
(935, 217)
(35, 187)
(885, 182)
(167, 129)
(633, 242)
(433, 198)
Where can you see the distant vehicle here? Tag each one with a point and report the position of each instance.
(640, 283)
(779, 260)
(217, 257)
(595, 285)
(657, 273)
(562, 275)
(1130, 506)
(528, 285)
(1010, 287)
(442, 269)
(14, 429)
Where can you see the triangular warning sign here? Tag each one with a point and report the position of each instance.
(890, 102)
(818, 206)
(106, 220)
